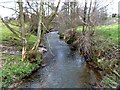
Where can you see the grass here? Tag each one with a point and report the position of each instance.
(109, 32)
(9, 39)
(109, 37)
(5, 33)
(106, 31)
(13, 68)
(106, 37)
(109, 81)
(31, 40)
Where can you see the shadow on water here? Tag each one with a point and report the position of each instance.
(64, 69)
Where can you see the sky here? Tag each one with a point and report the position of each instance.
(112, 8)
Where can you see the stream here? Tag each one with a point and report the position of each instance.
(64, 68)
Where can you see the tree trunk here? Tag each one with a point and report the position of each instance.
(53, 15)
(39, 32)
(22, 28)
(84, 17)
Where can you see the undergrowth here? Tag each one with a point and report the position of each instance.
(14, 69)
(103, 49)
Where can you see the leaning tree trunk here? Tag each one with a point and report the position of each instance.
(39, 32)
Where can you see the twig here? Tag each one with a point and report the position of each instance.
(31, 7)
(53, 15)
(45, 26)
(11, 29)
(9, 8)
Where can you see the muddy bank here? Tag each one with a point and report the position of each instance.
(9, 50)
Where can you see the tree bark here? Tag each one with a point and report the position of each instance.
(39, 32)
(84, 16)
(53, 15)
(22, 27)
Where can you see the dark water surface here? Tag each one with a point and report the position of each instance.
(64, 69)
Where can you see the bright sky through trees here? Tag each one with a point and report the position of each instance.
(112, 8)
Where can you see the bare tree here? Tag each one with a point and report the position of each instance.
(22, 27)
(39, 33)
(52, 16)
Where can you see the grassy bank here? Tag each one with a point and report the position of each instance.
(105, 49)
(9, 39)
(108, 32)
(13, 68)
(107, 39)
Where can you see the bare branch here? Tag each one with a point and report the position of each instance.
(53, 8)
(89, 11)
(11, 29)
(54, 14)
(14, 24)
(9, 8)
(44, 26)
(31, 7)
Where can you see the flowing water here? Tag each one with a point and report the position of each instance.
(64, 69)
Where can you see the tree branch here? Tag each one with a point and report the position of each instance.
(54, 14)
(11, 29)
(52, 7)
(31, 7)
(9, 8)
(89, 11)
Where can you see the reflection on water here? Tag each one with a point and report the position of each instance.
(66, 69)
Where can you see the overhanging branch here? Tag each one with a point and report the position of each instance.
(9, 8)
(54, 14)
(11, 29)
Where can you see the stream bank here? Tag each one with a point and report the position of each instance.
(64, 68)
(13, 70)
(105, 47)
